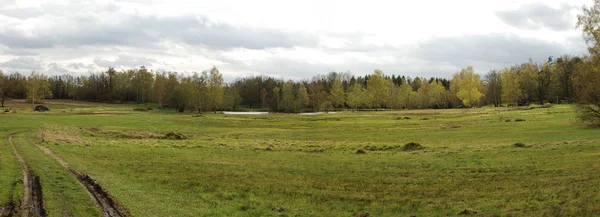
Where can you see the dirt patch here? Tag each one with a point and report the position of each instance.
(33, 200)
(107, 203)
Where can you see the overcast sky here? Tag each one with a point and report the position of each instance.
(285, 39)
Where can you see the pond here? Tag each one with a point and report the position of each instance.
(245, 113)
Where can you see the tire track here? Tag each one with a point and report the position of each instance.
(107, 203)
(33, 200)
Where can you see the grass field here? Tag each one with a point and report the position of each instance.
(293, 165)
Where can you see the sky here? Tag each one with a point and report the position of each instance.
(293, 39)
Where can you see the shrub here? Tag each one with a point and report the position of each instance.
(589, 114)
(519, 120)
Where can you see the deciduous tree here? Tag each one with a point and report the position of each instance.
(38, 88)
(465, 84)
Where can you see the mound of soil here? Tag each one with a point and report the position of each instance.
(519, 145)
(412, 146)
(173, 135)
(361, 151)
(41, 108)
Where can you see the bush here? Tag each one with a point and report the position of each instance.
(519, 120)
(412, 146)
(589, 114)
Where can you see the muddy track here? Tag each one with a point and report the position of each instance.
(7, 210)
(107, 203)
(33, 200)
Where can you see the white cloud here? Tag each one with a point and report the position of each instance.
(295, 39)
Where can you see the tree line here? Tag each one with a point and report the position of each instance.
(557, 80)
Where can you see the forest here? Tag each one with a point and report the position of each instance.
(566, 79)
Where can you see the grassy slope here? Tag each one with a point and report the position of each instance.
(224, 170)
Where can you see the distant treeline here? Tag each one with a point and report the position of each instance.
(562, 80)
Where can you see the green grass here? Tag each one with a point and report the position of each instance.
(223, 168)
(63, 195)
(11, 187)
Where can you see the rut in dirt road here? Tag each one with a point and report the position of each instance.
(33, 200)
(109, 206)
(7, 210)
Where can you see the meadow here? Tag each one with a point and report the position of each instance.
(338, 164)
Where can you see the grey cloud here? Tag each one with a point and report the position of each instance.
(538, 15)
(90, 26)
(76, 66)
(125, 61)
(24, 63)
(437, 57)
(500, 49)
(291, 68)
(55, 68)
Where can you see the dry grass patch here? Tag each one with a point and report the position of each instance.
(60, 135)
